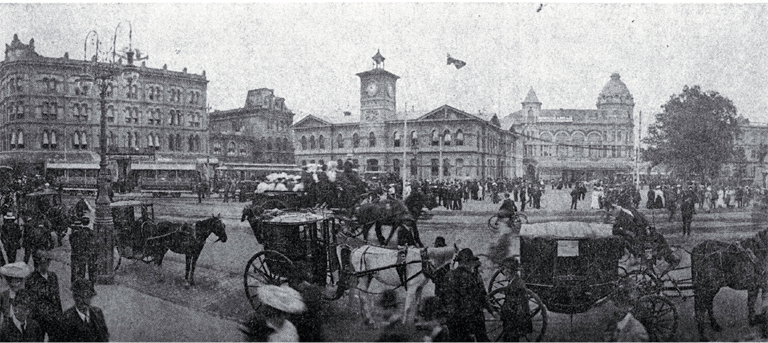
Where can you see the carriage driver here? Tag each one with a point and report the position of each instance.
(508, 209)
(632, 226)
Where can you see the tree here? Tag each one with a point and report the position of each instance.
(694, 135)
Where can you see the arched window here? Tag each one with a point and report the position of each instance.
(577, 139)
(312, 143)
(45, 139)
(414, 167)
(372, 165)
(396, 139)
(286, 145)
(157, 141)
(217, 148)
(191, 143)
(562, 140)
(546, 144)
(321, 142)
(171, 141)
(396, 166)
(355, 140)
(53, 139)
(198, 148)
(594, 140)
(231, 148)
(459, 138)
(446, 167)
(371, 139)
(243, 149)
(340, 141)
(447, 138)
(435, 138)
(269, 143)
(303, 142)
(178, 141)
(460, 167)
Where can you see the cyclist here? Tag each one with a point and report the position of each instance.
(508, 209)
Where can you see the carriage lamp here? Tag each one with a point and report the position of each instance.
(104, 77)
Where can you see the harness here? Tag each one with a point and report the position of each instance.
(400, 266)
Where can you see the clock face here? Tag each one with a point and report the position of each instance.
(390, 90)
(372, 89)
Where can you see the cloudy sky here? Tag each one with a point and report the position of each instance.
(310, 53)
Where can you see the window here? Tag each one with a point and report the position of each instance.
(372, 165)
(446, 167)
(414, 139)
(286, 144)
(303, 143)
(171, 142)
(217, 148)
(269, 143)
(111, 139)
(435, 138)
(396, 139)
(460, 167)
(340, 142)
(459, 138)
(435, 170)
(231, 149)
(355, 140)
(321, 142)
(562, 141)
(447, 138)
(79, 140)
(396, 166)
(414, 167)
(312, 143)
(371, 140)
(17, 140)
(50, 110)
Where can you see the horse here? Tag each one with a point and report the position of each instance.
(741, 266)
(415, 267)
(391, 212)
(183, 238)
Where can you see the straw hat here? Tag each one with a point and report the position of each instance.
(283, 298)
(17, 269)
(9, 215)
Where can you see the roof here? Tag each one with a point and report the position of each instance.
(297, 218)
(531, 97)
(615, 87)
(565, 230)
(164, 166)
(46, 191)
(54, 165)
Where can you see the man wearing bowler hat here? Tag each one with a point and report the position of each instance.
(83, 322)
(14, 275)
(10, 235)
(465, 300)
(84, 255)
(19, 326)
(43, 285)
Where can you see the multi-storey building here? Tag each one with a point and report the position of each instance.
(256, 137)
(49, 114)
(750, 170)
(445, 143)
(577, 144)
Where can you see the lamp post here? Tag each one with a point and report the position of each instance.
(103, 75)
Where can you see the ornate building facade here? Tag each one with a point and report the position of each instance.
(50, 115)
(443, 144)
(578, 144)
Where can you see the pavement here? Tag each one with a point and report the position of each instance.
(133, 316)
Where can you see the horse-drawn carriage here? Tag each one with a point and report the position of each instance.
(134, 223)
(571, 268)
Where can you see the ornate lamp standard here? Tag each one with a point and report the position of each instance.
(103, 75)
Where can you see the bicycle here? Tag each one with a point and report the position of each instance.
(515, 222)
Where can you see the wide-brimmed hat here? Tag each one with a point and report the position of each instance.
(9, 215)
(466, 255)
(283, 298)
(16, 269)
(83, 288)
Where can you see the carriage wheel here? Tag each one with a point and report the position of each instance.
(148, 229)
(500, 279)
(537, 313)
(493, 223)
(659, 316)
(265, 268)
(647, 282)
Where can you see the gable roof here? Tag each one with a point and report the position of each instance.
(311, 121)
(531, 97)
(442, 111)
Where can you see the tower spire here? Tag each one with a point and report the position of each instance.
(379, 59)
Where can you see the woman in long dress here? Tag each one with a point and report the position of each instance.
(597, 193)
(720, 198)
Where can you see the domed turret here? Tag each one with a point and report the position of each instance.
(615, 92)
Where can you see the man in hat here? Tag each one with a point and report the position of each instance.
(272, 325)
(687, 209)
(10, 234)
(83, 322)
(508, 209)
(43, 285)
(84, 256)
(14, 274)
(465, 299)
(19, 326)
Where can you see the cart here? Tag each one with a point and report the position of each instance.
(295, 244)
(134, 223)
(572, 267)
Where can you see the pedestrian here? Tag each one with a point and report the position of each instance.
(507, 210)
(43, 285)
(83, 322)
(200, 191)
(522, 199)
(19, 326)
(465, 300)
(14, 275)
(672, 198)
(440, 274)
(84, 256)
(574, 197)
(10, 234)
(272, 324)
(687, 209)
(515, 312)
(227, 188)
(308, 324)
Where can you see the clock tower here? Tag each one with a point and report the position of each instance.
(377, 92)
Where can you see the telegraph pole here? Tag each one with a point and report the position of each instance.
(637, 151)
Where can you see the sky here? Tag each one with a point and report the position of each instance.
(309, 53)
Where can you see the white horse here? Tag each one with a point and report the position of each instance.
(381, 263)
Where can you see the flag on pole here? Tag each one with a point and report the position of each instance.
(456, 63)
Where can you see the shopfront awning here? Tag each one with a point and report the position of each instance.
(164, 166)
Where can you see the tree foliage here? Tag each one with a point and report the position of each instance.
(694, 134)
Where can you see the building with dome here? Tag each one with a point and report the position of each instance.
(445, 143)
(577, 144)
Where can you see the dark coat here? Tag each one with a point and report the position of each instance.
(11, 233)
(10, 333)
(74, 329)
(508, 206)
(45, 294)
(465, 295)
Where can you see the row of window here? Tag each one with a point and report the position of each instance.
(595, 151)
(618, 136)
(49, 140)
(396, 140)
(82, 111)
(241, 148)
(16, 84)
(459, 169)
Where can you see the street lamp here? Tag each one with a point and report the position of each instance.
(102, 76)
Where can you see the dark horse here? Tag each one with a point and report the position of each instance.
(391, 212)
(183, 238)
(738, 265)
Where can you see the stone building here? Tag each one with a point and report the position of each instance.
(577, 144)
(750, 171)
(443, 144)
(51, 113)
